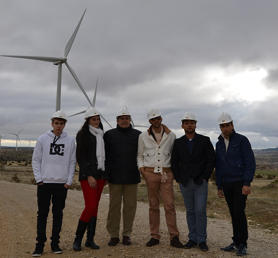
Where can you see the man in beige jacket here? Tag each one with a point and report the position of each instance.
(154, 154)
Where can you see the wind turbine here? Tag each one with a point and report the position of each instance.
(93, 104)
(1, 137)
(59, 61)
(17, 138)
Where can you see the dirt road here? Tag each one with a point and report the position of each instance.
(18, 224)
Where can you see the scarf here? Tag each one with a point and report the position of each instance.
(98, 133)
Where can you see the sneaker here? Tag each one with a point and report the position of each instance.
(38, 250)
(56, 249)
(241, 251)
(152, 242)
(175, 242)
(190, 244)
(113, 241)
(230, 248)
(203, 246)
(126, 240)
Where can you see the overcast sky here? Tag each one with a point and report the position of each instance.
(204, 57)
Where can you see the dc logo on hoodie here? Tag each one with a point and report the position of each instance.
(57, 149)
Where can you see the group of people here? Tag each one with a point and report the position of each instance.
(119, 156)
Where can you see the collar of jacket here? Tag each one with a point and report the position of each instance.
(220, 137)
(164, 128)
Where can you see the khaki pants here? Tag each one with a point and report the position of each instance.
(165, 190)
(117, 193)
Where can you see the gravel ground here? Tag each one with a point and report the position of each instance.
(18, 224)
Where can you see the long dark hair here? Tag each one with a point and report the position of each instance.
(85, 127)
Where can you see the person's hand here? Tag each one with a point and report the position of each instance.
(66, 186)
(246, 190)
(92, 182)
(220, 193)
(142, 170)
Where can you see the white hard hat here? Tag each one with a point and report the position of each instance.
(224, 118)
(123, 112)
(91, 111)
(60, 114)
(189, 116)
(153, 113)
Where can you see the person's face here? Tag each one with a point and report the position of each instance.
(227, 129)
(123, 121)
(156, 121)
(189, 126)
(58, 125)
(94, 121)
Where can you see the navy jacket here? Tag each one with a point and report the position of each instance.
(197, 164)
(235, 164)
(121, 146)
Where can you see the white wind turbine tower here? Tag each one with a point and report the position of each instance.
(60, 61)
(17, 138)
(93, 104)
(1, 137)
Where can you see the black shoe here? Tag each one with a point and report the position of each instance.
(126, 240)
(91, 244)
(190, 244)
(152, 242)
(113, 241)
(56, 249)
(91, 229)
(203, 246)
(230, 248)
(241, 251)
(38, 250)
(175, 242)
(81, 228)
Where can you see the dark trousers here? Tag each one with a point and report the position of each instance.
(56, 193)
(237, 202)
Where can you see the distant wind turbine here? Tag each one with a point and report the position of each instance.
(60, 61)
(1, 137)
(93, 104)
(17, 138)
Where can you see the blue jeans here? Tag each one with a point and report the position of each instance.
(195, 201)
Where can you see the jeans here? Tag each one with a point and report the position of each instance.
(91, 198)
(56, 193)
(236, 202)
(195, 201)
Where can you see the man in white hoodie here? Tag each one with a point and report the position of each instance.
(53, 165)
(154, 156)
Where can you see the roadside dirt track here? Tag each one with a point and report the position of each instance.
(18, 225)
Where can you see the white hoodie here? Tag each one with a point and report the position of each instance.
(54, 162)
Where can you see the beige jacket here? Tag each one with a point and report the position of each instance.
(151, 154)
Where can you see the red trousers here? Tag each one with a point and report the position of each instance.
(91, 198)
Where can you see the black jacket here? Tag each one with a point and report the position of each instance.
(121, 155)
(197, 165)
(86, 156)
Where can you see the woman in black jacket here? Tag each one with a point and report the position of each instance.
(90, 156)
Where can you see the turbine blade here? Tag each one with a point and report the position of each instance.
(78, 113)
(105, 120)
(95, 94)
(40, 58)
(70, 41)
(78, 82)
(143, 126)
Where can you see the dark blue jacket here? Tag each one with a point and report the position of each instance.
(235, 164)
(121, 146)
(197, 164)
